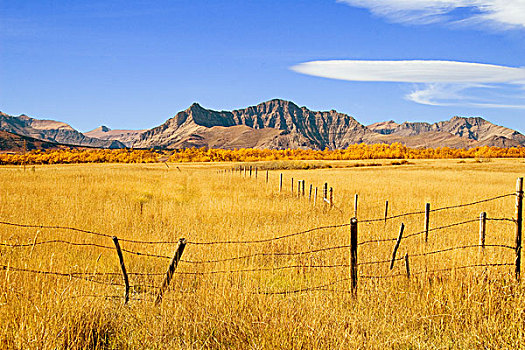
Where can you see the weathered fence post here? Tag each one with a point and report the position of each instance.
(519, 224)
(427, 221)
(355, 204)
(386, 211)
(256, 170)
(244, 170)
(310, 193)
(353, 255)
(250, 171)
(292, 186)
(299, 188)
(123, 267)
(482, 231)
(304, 183)
(407, 266)
(315, 196)
(325, 190)
(331, 197)
(396, 247)
(266, 176)
(171, 269)
(280, 182)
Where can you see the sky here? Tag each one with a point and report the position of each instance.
(133, 64)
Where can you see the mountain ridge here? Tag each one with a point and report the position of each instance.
(274, 124)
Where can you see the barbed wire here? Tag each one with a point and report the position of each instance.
(502, 219)
(437, 209)
(438, 270)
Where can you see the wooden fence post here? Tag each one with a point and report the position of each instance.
(250, 171)
(482, 230)
(353, 255)
(298, 188)
(407, 266)
(325, 190)
(331, 197)
(427, 221)
(315, 196)
(256, 170)
(303, 192)
(292, 186)
(266, 176)
(244, 170)
(310, 193)
(396, 247)
(280, 182)
(519, 224)
(123, 267)
(171, 269)
(386, 211)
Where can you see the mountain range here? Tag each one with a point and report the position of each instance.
(275, 124)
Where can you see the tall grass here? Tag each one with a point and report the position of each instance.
(470, 308)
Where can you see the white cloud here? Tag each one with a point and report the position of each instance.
(439, 83)
(412, 71)
(504, 13)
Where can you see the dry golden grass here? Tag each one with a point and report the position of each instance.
(464, 308)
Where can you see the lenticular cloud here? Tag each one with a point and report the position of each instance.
(413, 71)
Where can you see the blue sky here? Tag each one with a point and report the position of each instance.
(134, 64)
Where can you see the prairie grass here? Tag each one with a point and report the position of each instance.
(458, 308)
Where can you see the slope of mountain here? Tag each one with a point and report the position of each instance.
(51, 131)
(126, 137)
(17, 143)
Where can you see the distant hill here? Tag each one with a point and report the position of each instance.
(51, 131)
(275, 124)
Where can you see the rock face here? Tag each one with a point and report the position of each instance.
(51, 131)
(126, 137)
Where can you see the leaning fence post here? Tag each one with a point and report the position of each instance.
(310, 193)
(353, 255)
(427, 221)
(396, 247)
(519, 223)
(386, 211)
(482, 230)
(123, 267)
(171, 269)
(280, 182)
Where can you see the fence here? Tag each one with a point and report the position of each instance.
(354, 259)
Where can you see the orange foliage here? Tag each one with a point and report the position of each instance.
(353, 152)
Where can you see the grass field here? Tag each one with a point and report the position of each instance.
(481, 307)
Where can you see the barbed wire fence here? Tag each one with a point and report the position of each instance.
(352, 265)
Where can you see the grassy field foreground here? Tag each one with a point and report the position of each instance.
(212, 304)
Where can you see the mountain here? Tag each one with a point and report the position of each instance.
(51, 131)
(126, 137)
(473, 131)
(280, 124)
(274, 124)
